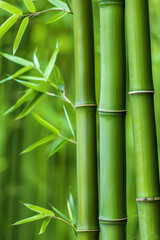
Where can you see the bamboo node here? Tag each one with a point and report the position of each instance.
(87, 230)
(153, 199)
(114, 220)
(86, 105)
(142, 91)
(112, 111)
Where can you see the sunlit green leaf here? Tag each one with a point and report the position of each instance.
(39, 143)
(59, 4)
(69, 211)
(6, 79)
(27, 96)
(56, 17)
(39, 209)
(68, 120)
(21, 71)
(18, 60)
(35, 58)
(30, 5)
(30, 106)
(44, 225)
(36, 87)
(8, 24)
(58, 78)
(57, 147)
(32, 78)
(69, 5)
(9, 8)
(30, 219)
(45, 124)
(20, 33)
(51, 63)
(72, 207)
(64, 217)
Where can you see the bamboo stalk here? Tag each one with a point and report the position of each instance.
(112, 122)
(141, 95)
(88, 227)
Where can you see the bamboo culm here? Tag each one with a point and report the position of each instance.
(112, 110)
(141, 96)
(88, 226)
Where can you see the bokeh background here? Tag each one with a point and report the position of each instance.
(33, 178)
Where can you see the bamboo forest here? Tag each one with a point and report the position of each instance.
(79, 119)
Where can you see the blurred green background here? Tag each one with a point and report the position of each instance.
(33, 178)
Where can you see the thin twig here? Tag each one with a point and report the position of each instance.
(68, 139)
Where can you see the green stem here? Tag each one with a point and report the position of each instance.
(112, 121)
(85, 122)
(141, 95)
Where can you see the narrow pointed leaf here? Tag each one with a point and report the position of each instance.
(57, 147)
(30, 219)
(6, 79)
(64, 217)
(39, 143)
(9, 8)
(29, 107)
(56, 17)
(8, 24)
(72, 207)
(21, 71)
(18, 60)
(45, 124)
(39, 209)
(44, 225)
(20, 33)
(36, 87)
(30, 5)
(35, 58)
(68, 120)
(69, 5)
(32, 78)
(51, 63)
(69, 211)
(59, 4)
(58, 78)
(27, 96)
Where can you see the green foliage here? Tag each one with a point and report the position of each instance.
(44, 225)
(9, 8)
(57, 17)
(30, 5)
(8, 24)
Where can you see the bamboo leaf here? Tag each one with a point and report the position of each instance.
(69, 5)
(39, 209)
(32, 78)
(59, 4)
(8, 24)
(56, 17)
(9, 8)
(58, 78)
(29, 107)
(27, 96)
(45, 124)
(57, 147)
(39, 143)
(21, 71)
(64, 217)
(44, 225)
(51, 63)
(35, 58)
(36, 87)
(69, 211)
(20, 33)
(6, 79)
(72, 207)
(68, 120)
(30, 5)
(30, 219)
(18, 60)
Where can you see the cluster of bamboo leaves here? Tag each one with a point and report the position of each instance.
(48, 215)
(63, 7)
(36, 86)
